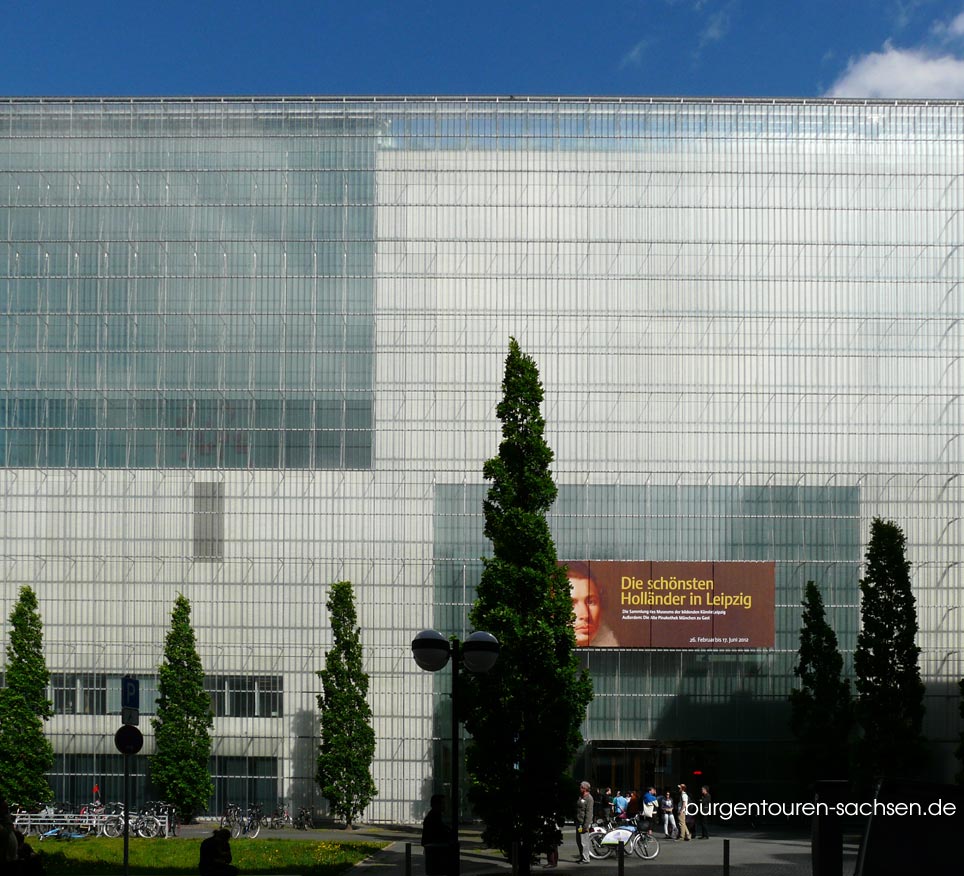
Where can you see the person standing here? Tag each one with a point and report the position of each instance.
(584, 806)
(437, 838)
(684, 802)
(552, 839)
(434, 829)
(667, 807)
(650, 809)
(620, 802)
(604, 805)
(703, 811)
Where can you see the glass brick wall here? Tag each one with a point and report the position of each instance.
(253, 347)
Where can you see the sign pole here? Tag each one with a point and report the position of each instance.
(127, 810)
(128, 740)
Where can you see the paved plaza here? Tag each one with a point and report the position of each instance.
(761, 852)
(751, 853)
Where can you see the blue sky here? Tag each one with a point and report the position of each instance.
(757, 48)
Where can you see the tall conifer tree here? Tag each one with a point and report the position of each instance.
(821, 708)
(26, 755)
(347, 738)
(524, 715)
(890, 693)
(180, 766)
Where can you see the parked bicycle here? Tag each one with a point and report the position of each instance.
(303, 820)
(145, 825)
(113, 825)
(633, 834)
(166, 814)
(249, 825)
(231, 816)
(280, 818)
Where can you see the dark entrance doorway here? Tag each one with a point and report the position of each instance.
(639, 764)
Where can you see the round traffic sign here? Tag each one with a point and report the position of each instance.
(129, 740)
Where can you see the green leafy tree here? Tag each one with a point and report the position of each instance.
(890, 693)
(182, 726)
(26, 755)
(347, 739)
(524, 715)
(821, 708)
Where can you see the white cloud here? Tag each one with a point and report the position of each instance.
(716, 28)
(896, 72)
(948, 31)
(634, 57)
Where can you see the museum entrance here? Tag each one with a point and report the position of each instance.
(637, 765)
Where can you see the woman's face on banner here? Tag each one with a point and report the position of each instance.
(587, 609)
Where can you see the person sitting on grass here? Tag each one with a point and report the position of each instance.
(216, 855)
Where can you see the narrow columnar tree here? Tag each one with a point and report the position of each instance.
(524, 715)
(26, 755)
(347, 738)
(182, 727)
(890, 693)
(821, 708)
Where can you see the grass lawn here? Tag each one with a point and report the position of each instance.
(100, 856)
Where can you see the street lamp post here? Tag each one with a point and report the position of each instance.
(478, 652)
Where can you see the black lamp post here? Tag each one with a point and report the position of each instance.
(479, 652)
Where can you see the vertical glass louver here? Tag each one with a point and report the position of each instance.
(186, 286)
(747, 316)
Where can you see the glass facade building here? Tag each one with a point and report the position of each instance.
(251, 347)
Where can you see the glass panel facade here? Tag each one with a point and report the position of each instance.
(186, 298)
(242, 780)
(252, 347)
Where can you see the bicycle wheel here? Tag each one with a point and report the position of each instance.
(254, 828)
(148, 827)
(597, 849)
(646, 847)
(114, 826)
(26, 825)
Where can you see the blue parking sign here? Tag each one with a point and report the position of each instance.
(130, 692)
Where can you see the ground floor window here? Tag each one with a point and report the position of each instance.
(245, 781)
(75, 776)
(241, 780)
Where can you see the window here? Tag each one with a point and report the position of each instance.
(245, 780)
(79, 693)
(74, 775)
(208, 521)
(245, 696)
(241, 696)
